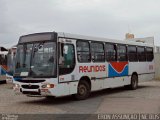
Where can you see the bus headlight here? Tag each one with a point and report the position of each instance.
(48, 86)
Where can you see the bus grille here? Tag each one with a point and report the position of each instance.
(30, 86)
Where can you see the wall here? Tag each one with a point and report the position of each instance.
(157, 65)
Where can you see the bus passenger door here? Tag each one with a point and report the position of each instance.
(66, 64)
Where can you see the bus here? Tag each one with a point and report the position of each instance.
(59, 64)
(11, 64)
(3, 64)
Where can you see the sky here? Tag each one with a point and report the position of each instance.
(101, 18)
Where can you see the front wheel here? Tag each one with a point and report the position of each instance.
(83, 90)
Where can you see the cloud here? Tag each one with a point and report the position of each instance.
(103, 18)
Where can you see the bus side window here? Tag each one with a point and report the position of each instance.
(83, 51)
(149, 54)
(121, 53)
(68, 64)
(132, 53)
(110, 50)
(141, 54)
(3, 59)
(97, 52)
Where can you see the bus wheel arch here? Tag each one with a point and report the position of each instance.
(134, 81)
(87, 79)
(83, 88)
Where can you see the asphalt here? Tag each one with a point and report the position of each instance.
(118, 100)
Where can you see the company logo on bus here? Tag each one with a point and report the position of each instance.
(97, 68)
(117, 69)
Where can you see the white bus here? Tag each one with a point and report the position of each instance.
(59, 64)
(11, 64)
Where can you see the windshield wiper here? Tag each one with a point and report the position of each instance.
(37, 47)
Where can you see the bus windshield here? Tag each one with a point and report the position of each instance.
(36, 60)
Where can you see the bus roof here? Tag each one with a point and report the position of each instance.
(48, 36)
(83, 37)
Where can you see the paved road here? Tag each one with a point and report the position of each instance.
(146, 99)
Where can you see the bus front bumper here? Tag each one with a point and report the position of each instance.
(40, 92)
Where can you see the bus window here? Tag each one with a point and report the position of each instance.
(149, 54)
(69, 59)
(83, 52)
(121, 53)
(141, 54)
(132, 53)
(3, 59)
(97, 52)
(110, 50)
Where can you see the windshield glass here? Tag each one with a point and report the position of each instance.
(36, 59)
(23, 59)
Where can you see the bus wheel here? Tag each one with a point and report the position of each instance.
(83, 90)
(134, 82)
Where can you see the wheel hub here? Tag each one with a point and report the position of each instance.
(82, 90)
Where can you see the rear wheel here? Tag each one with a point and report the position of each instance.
(83, 90)
(134, 82)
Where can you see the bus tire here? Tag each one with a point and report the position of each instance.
(83, 90)
(134, 82)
